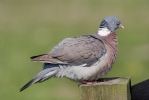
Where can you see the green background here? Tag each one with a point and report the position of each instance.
(32, 27)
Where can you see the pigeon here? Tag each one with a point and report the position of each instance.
(83, 59)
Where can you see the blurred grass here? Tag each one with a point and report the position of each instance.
(31, 27)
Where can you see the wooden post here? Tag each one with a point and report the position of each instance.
(107, 89)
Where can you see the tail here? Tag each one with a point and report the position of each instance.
(32, 81)
(45, 74)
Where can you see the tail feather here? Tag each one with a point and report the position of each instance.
(45, 74)
(33, 81)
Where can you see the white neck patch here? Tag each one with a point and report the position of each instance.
(103, 32)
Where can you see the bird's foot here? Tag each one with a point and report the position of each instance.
(87, 82)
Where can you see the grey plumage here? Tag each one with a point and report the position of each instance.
(111, 22)
(49, 70)
(83, 58)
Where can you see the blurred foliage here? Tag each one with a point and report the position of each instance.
(31, 27)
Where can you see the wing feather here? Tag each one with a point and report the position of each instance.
(85, 49)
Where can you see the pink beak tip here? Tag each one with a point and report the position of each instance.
(121, 26)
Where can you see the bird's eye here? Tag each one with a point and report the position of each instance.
(114, 22)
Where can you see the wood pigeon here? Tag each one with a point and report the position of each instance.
(83, 59)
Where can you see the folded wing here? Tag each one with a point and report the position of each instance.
(85, 49)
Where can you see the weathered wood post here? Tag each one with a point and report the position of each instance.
(107, 89)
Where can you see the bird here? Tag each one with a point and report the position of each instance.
(83, 59)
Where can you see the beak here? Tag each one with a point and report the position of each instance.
(121, 26)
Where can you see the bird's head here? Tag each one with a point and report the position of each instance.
(111, 23)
